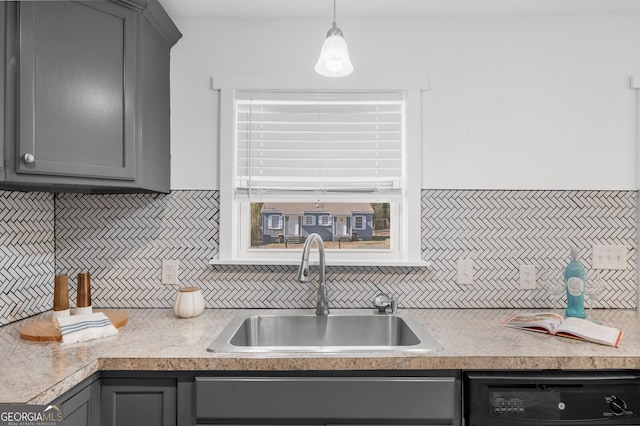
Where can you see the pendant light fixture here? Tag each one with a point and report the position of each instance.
(334, 58)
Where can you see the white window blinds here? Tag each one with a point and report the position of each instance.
(295, 142)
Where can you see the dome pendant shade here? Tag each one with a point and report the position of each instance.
(334, 58)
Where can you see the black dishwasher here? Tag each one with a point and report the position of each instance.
(551, 398)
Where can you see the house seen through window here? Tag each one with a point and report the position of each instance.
(342, 225)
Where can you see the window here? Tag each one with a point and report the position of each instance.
(338, 229)
(359, 223)
(274, 222)
(294, 149)
(324, 220)
(318, 143)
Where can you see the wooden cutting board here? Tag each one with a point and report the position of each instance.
(44, 330)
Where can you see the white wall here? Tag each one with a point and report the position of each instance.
(514, 102)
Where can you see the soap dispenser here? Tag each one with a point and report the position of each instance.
(574, 281)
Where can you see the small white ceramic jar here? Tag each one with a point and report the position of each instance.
(189, 302)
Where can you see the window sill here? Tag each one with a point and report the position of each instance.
(405, 264)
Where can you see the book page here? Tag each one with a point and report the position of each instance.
(546, 321)
(590, 331)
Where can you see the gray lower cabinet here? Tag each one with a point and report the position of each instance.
(81, 405)
(138, 402)
(143, 398)
(87, 101)
(345, 399)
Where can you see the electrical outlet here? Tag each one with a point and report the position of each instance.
(527, 277)
(170, 272)
(609, 257)
(465, 271)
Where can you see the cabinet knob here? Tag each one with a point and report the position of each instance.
(28, 158)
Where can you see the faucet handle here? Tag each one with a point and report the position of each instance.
(383, 302)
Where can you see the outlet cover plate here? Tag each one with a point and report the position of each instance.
(527, 277)
(169, 272)
(465, 271)
(609, 257)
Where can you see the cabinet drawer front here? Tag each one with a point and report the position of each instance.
(379, 399)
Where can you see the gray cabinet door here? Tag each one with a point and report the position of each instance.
(81, 405)
(3, 98)
(77, 80)
(139, 402)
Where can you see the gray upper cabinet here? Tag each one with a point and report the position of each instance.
(90, 108)
(77, 77)
(3, 42)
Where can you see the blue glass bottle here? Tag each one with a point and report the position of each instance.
(574, 281)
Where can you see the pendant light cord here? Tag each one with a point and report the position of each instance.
(334, 14)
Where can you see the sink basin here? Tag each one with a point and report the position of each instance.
(340, 331)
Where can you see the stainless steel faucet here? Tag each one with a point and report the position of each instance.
(322, 302)
(384, 302)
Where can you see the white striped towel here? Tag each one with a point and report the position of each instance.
(80, 328)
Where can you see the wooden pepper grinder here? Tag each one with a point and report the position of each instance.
(60, 297)
(83, 301)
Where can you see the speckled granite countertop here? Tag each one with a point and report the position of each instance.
(154, 339)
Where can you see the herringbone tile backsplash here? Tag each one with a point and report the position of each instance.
(501, 230)
(26, 254)
(122, 239)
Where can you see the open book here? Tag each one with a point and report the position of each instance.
(576, 328)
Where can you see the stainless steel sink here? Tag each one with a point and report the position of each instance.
(340, 331)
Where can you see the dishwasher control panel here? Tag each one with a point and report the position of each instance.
(560, 403)
(558, 397)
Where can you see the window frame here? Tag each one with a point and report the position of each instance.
(309, 216)
(405, 246)
(363, 225)
(280, 222)
(322, 222)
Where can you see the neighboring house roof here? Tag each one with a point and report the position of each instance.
(335, 209)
